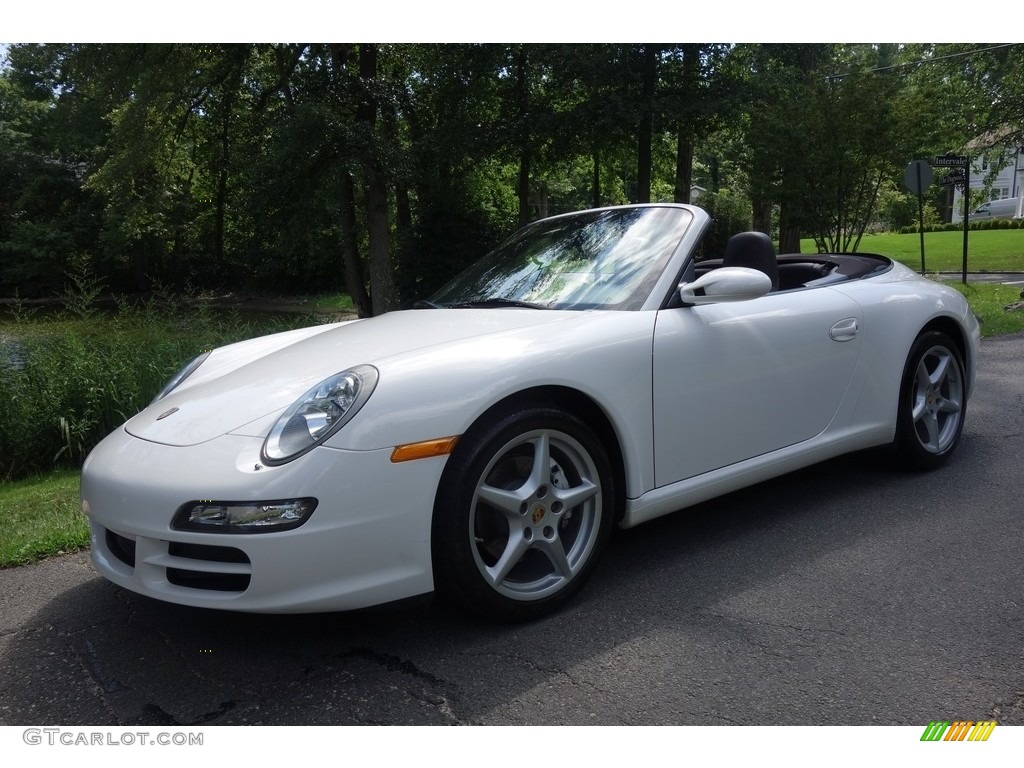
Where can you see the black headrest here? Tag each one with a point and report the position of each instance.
(755, 251)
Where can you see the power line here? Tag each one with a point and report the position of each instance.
(958, 55)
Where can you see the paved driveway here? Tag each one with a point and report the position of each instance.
(848, 593)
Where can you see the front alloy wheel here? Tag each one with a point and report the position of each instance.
(932, 402)
(524, 509)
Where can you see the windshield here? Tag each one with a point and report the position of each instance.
(605, 259)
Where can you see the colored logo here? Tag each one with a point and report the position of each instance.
(958, 730)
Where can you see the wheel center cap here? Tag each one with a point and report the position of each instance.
(538, 513)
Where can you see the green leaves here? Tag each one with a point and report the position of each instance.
(260, 165)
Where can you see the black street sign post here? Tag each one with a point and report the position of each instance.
(917, 177)
(960, 176)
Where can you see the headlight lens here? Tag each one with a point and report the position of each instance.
(319, 413)
(243, 517)
(181, 375)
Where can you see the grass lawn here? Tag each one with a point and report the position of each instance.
(988, 250)
(988, 300)
(41, 516)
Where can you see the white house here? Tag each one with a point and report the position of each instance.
(996, 174)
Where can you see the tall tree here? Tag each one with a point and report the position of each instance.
(384, 169)
(649, 54)
(382, 286)
(697, 94)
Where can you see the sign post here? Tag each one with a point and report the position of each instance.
(917, 178)
(967, 215)
(960, 176)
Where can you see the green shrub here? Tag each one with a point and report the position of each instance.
(983, 224)
(66, 383)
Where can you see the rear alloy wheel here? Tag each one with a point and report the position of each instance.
(524, 510)
(932, 402)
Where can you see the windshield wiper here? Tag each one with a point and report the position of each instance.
(427, 304)
(497, 301)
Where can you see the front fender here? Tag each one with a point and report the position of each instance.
(442, 391)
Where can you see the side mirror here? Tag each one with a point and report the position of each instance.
(726, 284)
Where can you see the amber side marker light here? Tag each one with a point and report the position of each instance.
(442, 446)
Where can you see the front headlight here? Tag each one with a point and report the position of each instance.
(319, 413)
(181, 375)
(243, 517)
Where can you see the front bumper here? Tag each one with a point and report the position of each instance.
(367, 543)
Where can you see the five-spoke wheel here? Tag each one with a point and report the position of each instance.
(524, 509)
(932, 401)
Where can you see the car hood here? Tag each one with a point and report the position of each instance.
(246, 382)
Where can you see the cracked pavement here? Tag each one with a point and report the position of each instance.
(845, 594)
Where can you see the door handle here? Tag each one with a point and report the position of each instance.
(844, 330)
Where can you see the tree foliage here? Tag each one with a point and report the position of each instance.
(382, 170)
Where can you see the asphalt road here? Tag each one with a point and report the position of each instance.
(846, 594)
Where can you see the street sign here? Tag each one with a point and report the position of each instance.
(957, 177)
(918, 176)
(950, 161)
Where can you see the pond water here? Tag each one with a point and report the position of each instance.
(12, 354)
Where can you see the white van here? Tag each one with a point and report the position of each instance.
(1007, 208)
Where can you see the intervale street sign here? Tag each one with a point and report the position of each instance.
(959, 175)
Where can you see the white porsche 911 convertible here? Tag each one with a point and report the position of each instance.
(588, 373)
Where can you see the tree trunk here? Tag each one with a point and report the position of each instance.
(523, 188)
(762, 216)
(382, 287)
(789, 233)
(645, 132)
(230, 87)
(542, 200)
(354, 282)
(222, 178)
(686, 128)
(383, 295)
(403, 213)
(684, 166)
(595, 186)
(523, 137)
(352, 263)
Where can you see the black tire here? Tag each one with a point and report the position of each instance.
(933, 402)
(513, 539)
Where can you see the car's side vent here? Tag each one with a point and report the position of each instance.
(207, 578)
(121, 547)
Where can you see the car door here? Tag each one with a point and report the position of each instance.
(737, 380)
